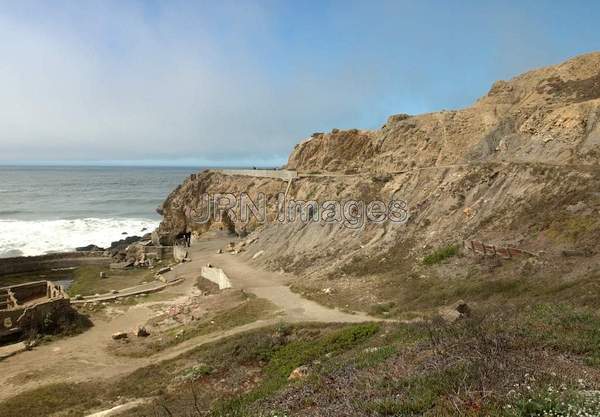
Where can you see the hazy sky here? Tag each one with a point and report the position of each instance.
(196, 83)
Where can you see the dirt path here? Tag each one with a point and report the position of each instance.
(85, 357)
(271, 286)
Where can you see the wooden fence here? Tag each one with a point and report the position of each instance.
(484, 249)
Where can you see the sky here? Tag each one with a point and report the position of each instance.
(240, 83)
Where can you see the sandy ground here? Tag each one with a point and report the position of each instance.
(85, 357)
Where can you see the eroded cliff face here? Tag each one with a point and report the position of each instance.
(548, 115)
(519, 167)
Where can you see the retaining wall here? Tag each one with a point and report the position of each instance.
(216, 275)
(281, 174)
(22, 264)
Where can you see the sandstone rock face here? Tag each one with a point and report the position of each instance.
(518, 167)
(299, 373)
(547, 115)
(119, 335)
(456, 311)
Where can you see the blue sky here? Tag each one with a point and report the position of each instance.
(217, 83)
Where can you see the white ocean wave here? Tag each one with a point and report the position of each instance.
(28, 238)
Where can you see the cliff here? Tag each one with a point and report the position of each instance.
(518, 168)
(549, 115)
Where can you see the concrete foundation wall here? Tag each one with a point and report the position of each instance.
(179, 253)
(30, 290)
(160, 252)
(23, 264)
(35, 302)
(216, 275)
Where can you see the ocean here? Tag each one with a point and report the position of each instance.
(56, 209)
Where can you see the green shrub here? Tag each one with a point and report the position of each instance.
(441, 254)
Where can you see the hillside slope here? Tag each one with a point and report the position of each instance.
(549, 115)
(519, 168)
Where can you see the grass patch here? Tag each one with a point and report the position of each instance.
(419, 394)
(382, 308)
(249, 311)
(70, 400)
(566, 329)
(571, 229)
(441, 254)
(290, 356)
(87, 279)
(505, 363)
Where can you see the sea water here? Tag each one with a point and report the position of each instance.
(56, 209)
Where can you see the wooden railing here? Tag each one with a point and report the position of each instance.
(506, 252)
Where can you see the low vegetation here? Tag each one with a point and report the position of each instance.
(441, 254)
(87, 281)
(246, 312)
(535, 361)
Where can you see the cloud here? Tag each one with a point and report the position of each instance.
(94, 84)
(243, 81)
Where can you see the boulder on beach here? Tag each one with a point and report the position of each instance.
(89, 248)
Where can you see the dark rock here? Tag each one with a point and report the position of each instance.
(397, 118)
(89, 248)
(121, 245)
(141, 331)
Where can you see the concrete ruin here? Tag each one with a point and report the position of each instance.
(28, 305)
(216, 275)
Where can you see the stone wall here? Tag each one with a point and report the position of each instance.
(158, 251)
(23, 264)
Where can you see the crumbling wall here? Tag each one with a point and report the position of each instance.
(216, 275)
(51, 303)
(28, 291)
(179, 253)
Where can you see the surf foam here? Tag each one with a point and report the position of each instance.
(29, 238)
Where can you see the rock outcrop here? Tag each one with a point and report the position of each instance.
(519, 167)
(549, 115)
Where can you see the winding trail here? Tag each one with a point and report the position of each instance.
(85, 358)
